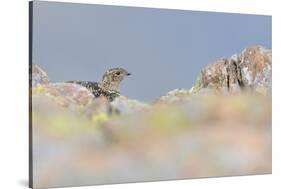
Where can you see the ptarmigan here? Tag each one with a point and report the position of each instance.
(108, 86)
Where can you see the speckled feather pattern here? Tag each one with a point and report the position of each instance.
(109, 86)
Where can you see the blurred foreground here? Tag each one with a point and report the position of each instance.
(207, 137)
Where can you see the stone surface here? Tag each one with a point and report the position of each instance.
(71, 96)
(174, 96)
(38, 77)
(249, 71)
(125, 105)
(256, 69)
(78, 98)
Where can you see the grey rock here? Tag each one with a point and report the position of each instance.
(125, 105)
(249, 71)
(38, 77)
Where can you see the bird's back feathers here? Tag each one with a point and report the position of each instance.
(97, 90)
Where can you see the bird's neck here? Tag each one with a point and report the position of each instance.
(111, 86)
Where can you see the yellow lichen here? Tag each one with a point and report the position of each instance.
(38, 90)
(99, 118)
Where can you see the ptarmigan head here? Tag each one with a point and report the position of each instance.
(113, 77)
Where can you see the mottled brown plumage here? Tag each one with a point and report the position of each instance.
(108, 86)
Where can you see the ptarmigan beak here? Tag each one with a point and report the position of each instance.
(129, 74)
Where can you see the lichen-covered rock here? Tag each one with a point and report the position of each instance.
(174, 96)
(214, 75)
(124, 105)
(255, 66)
(38, 77)
(71, 96)
(79, 99)
(249, 71)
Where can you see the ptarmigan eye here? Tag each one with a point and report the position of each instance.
(118, 73)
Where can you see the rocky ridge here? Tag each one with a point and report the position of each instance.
(249, 71)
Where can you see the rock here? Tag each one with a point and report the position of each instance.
(39, 77)
(79, 99)
(124, 105)
(72, 96)
(64, 93)
(255, 69)
(214, 75)
(70, 93)
(249, 71)
(76, 99)
(174, 96)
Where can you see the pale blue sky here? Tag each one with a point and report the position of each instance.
(163, 49)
